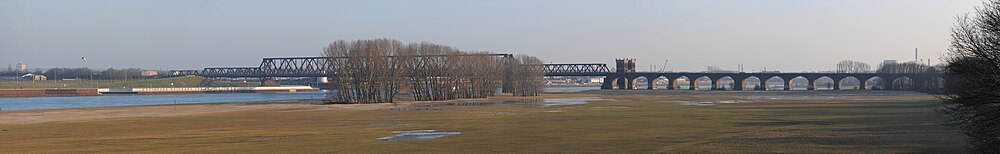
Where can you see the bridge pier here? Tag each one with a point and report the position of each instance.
(691, 84)
(738, 84)
(836, 84)
(649, 84)
(607, 83)
(863, 86)
(787, 83)
(715, 84)
(810, 83)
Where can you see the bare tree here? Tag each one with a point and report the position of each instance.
(528, 76)
(851, 66)
(375, 71)
(973, 74)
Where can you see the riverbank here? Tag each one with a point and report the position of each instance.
(146, 91)
(623, 121)
(184, 81)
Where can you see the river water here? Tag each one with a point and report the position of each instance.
(34, 103)
(31, 103)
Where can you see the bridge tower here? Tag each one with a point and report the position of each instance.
(625, 66)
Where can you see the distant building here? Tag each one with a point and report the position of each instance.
(21, 67)
(9, 68)
(36, 77)
(889, 61)
(149, 73)
(596, 80)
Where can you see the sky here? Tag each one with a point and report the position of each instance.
(690, 35)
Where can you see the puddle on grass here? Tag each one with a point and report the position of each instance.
(711, 103)
(504, 113)
(416, 135)
(571, 101)
(546, 102)
(610, 107)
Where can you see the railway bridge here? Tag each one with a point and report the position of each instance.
(624, 76)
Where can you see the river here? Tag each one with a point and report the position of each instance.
(34, 103)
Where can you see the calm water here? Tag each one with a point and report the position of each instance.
(31, 103)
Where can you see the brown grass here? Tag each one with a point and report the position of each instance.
(638, 123)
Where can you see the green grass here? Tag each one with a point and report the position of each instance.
(187, 81)
(646, 124)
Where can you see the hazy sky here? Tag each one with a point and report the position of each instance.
(788, 35)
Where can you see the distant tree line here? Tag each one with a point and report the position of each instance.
(85, 73)
(851, 66)
(930, 76)
(915, 70)
(376, 71)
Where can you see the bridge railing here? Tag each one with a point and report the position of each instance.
(581, 69)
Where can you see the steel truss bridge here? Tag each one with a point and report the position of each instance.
(316, 67)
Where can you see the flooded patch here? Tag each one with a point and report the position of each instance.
(695, 103)
(732, 101)
(610, 107)
(504, 113)
(572, 101)
(711, 103)
(416, 135)
(547, 102)
(554, 111)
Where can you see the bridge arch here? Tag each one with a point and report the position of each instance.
(661, 82)
(686, 84)
(874, 83)
(823, 83)
(798, 83)
(703, 80)
(902, 83)
(641, 82)
(850, 82)
(614, 83)
(773, 79)
(936, 83)
(756, 86)
(725, 83)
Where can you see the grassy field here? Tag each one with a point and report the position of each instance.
(187, 81)
(635, 123)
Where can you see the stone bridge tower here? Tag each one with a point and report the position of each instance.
(622, 67)
(625, 65)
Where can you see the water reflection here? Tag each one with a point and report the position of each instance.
(416, 135)
(32, 103)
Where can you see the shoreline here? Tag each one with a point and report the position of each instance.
(157, 110)
(72, 92)
(20, 117)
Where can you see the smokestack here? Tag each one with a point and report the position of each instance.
(916, 57)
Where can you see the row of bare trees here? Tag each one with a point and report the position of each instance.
(852, 66)
(529, 76)
(376, 71)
